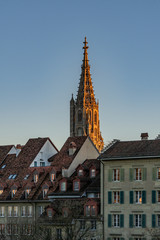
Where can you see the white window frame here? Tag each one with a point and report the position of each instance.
(2, 211)
(116, 197)
(158, 173)
(63, 186)
(138, 197)
(138, 174)
(116, 220)
(9, 211)
(30, 211)
(15, 211)
(138, 220)
(116, 175)
(23, 211)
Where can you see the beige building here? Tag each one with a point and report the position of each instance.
(130, 190)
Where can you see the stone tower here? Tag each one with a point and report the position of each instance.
(84, 111)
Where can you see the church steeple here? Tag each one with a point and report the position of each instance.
(84, 112)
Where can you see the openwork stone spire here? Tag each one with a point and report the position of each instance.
(84, 112)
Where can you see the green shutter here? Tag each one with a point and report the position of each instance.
(154, 174)
(121, 238)
(143, 238)
(153, 220)
(143, 220)
(122, 174)
(121, 220)
(109, 238)
(110, 173)
(109, 220)
(121, 197)
(109, 197)
(143, 196)
(131, 220)
(131, 239)
(144, 174)
(131, 197)
(131, 174)
(153, 196)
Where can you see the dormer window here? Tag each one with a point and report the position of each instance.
(63, 186)
(92, 172)
(27, 192)
(80, 172)
(42, 164)
(13, 192)
(45, 190)
(90, 209)
(76, 185)
(35, 163)
(35, 178)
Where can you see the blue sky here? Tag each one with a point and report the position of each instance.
(40, 60)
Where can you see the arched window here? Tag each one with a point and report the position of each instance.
(79, 116)
(95, 132)
(80, 131)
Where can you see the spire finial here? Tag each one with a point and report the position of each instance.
(85, 44)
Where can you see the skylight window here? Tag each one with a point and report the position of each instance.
(12, 176)
(3, 166)
(26, 177)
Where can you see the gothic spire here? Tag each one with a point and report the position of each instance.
(85, 96)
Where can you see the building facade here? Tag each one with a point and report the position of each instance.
(84, 111)
(131, 190)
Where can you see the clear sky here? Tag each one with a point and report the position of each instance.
(40, 64)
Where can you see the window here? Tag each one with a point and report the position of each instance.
(138, 174)
(26, 177)
(2, 229)
(116, 175)
(87, 210)
(80, 132)
(93, 210)
(137, 238)
(10, 176)
(138, 197)
(93, 225)
(138, 220)
(42, 164)
(90, 210)
(29, 229)
(27, 192)
(115, 238)
(40, 210)
(13, 192)
(53, 177)
(29, 211)
(23, 211)
(158, 196)
(45, 190)
(80, 172)
(76, 185)
(15, 211)
(35, 163)
(1, 191)
(35, 178)
(2, 209)
(79, 115)
(14, 176)
(9, 211)
(116, 197)
(95, 117)
(3, 166)
(82, 224)
(14, 229)
(63, 186)
(116, 220)
(49, 212)
(158, 173)
(59, 233)
(9, 229)
(93, 173)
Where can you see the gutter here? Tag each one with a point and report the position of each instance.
(103, 200)
(127, 158)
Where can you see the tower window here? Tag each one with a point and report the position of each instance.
(80, 131)
(95, 117)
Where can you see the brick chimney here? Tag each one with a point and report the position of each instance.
(144, 136)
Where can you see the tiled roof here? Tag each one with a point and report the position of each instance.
(129, 149)
(63, 159)
(4, 151)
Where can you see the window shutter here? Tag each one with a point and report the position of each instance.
(131, 174)
(110, 172)
(109, 197)
(109, 238)
(153, 220)
(154, 174)
(144, 174)
(121, 197)
(131, 197)
(131, 239)
(143, 220)
(109, 220)
(121, 220)
(153, 196)
(122, 174)
(131, 220)
(121, 238)
(143, 196)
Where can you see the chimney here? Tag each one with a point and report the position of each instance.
(144, 136)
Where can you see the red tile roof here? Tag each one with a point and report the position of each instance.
(4, 150)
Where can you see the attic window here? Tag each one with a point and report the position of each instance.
(12, 176)
(13, 193)
(80, 172)
(35, 178)
(52, 177)
(3, 166)
(26, 177)
(45, 190)
(63, 186)
(27, 192)
(76, 185)
(1, 191)
(92, 172)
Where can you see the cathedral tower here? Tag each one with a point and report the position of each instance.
(84, 111)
